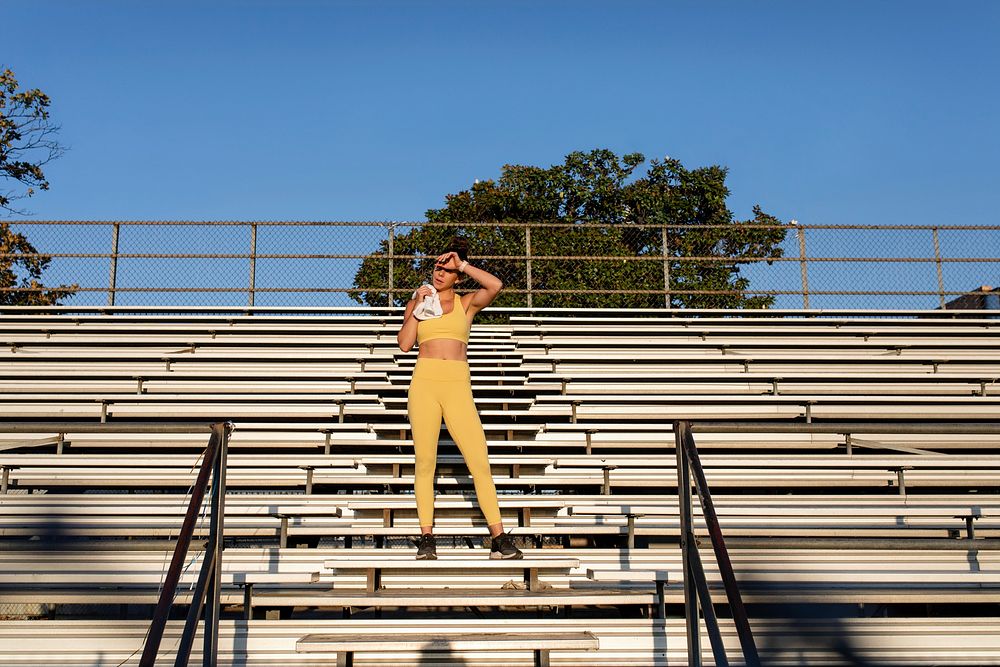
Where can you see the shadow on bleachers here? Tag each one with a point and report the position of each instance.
(434, 652)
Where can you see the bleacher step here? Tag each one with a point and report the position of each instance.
(451, 597)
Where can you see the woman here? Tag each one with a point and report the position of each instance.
(441, 386)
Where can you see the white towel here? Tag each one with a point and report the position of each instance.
(430, 307)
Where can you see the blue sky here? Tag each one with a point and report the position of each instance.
(825, 112)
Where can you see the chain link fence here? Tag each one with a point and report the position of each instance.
(327, 264)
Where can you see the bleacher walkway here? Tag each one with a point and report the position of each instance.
(860, 542)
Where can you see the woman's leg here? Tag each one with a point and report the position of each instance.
(467, 430)
(424, 411)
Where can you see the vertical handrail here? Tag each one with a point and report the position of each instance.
(213, 464)
(195, 609)
(687, 535)
(707, 608)
(217, 532)
(180, 553)
(690, 452)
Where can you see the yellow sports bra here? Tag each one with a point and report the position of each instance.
(452, 325)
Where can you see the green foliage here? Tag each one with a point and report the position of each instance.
(26, 141)
(600, 201)
(16, 250)
(25, 145)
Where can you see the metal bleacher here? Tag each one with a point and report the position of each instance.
(853, 462)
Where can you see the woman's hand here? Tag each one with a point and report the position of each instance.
(424, 290)
(449, 260)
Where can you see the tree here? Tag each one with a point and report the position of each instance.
(26, 139)
(600, 201)
(26, 143)
(15, 250)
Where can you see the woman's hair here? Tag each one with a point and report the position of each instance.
(460, 246)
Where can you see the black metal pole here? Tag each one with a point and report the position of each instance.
(217, 532)
(740, 618)
(163, 605)
(681, 429)
(711, 622)
(194, 610)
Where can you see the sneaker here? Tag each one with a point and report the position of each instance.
(426, 547)
(503, 547)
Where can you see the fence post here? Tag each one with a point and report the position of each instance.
(802, 265)
(937, 259)
(114, 265)
(527, 258)
(666, 270)
(392, 249)
(253, 260)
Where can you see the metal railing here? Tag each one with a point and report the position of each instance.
(697, 596)
(850, 430)
(256, 263)
(207, 590)
(695, 582)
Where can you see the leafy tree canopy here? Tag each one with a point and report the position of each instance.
(26, 143)
(16, 251)
(26, 140)
(601, 199)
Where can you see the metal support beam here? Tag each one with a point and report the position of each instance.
(183, 654)
(803, 268)
(740, 619)
(687, 521)
(392, 267)
(247, 601)
(527, 259)
(253, 264)
(167, 592)
(206, 596)
(707, 608)
(857, 543)
(113, 279)
(901, 477)
(283, 531)
(940, 275)
(664, 246)
(309, 478)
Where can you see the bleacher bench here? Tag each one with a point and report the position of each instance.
(540, 643)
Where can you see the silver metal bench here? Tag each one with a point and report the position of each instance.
(540, 643)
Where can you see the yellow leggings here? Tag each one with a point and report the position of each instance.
(444, 387)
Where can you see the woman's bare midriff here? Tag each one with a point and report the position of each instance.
(442, 348)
